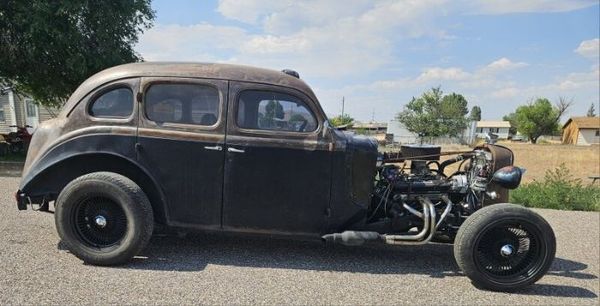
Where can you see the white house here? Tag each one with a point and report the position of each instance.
(500, 128)
(19, 110)
(404, 136)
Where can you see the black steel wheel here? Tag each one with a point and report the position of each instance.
(104, 218)
(504, 247)
(100, 221)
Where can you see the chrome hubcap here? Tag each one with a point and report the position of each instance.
(506, 250)
(100, 221)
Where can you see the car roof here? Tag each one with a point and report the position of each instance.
(192, 70)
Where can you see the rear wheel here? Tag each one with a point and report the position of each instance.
(104, 218)
(504, 247)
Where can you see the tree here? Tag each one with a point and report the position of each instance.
(540, 117)
(341, 120)
(475, 113)
(591, 111)
(273, 112)
(512, 119)
(434, 115)
(47, 48)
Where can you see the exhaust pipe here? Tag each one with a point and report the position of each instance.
(425, 235)
(353, 238)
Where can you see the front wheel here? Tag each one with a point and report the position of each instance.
(504, 247)
(104, 218)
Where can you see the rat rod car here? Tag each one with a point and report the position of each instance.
(239, 149)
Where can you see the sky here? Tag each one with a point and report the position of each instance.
(499, 54)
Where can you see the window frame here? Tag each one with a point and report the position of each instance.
(181, 81)
(309, 106)
(100, 92)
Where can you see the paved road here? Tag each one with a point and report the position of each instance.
(214, 269)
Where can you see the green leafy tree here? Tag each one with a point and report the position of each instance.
(47, 48)
(512, 119)
(591, 111)
(475, 113)
(434, 115)
(540, 117)
(273, 111)
(341, 120)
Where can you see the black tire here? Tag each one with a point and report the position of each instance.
(527, 241)
(104, 218)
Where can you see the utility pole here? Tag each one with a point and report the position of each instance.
(343, 102)
(373, 115)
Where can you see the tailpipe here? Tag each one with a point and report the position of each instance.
(425, 235)
(352, 238)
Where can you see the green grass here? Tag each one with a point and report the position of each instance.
(558, 190)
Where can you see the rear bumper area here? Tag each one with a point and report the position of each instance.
(22, 200)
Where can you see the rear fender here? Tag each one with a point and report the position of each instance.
(52, 173)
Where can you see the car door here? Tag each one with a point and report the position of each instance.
(278, 162)
(180, 141)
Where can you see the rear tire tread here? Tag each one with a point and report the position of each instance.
(140, 209)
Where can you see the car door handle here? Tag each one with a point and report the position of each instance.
(234, 150)
(215, 148)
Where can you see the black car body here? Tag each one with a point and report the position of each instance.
(194, 175)
(240, 149)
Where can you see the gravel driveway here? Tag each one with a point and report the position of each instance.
(217, 269)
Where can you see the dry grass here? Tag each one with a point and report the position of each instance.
(582, 161)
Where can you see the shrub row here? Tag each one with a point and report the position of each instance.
(558, 190)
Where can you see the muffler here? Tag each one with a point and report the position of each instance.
(353, 238)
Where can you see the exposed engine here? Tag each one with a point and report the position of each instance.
(417, 198)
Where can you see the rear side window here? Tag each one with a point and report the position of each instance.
(115, 103)
(265, 110)
(182, 103)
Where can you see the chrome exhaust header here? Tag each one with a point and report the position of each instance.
(430, 225)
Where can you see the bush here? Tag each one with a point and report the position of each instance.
(558, 190)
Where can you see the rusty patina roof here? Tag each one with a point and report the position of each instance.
(192, 70)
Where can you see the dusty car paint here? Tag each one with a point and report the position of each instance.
(282, 183)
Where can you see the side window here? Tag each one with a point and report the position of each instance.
(182, 103)
(264, 110)
(116, 103)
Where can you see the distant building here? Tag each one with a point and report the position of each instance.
(377, 130)
(581, 131)
(20, 110)
(500, 128)
(401, 135)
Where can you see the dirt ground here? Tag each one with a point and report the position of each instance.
(582, 161)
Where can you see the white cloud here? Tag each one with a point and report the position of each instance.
(509, 92)
(579, 80)
(589, 48)
(442, 74)
(188, 43)
(275, 44)
(526, 6)
(356, 42)
(503, 64)
(250, 11)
